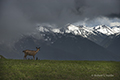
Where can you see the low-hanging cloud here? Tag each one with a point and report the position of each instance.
(20, 16)
(62, 11)
(111, 22)
(66, 11)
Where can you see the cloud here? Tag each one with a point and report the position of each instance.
(96, 8)
(115, 24)
(54, 11)
(13, 23)
(19, 17)
(99, 21)
(64, 11)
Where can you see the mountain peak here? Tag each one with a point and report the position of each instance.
(81, 30)
(104, 29)
(116, 29)
(100, 27)
(72, 27)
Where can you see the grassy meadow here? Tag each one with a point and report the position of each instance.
(58, 70)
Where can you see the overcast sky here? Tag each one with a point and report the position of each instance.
(20, 16)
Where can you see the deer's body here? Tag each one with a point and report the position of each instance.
(31, 52)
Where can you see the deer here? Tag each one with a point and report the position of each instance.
(31, 53)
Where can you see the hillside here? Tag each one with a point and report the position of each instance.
(58, 70)
(67, 43)
(115, 45)
(66, 47)
(1, 57)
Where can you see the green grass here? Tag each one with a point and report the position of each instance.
(58, 70)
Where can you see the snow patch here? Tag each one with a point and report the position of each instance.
(116, 29)
(104, 29)
(82, 30)
(72, 28)
(42, 29)
(56, 30)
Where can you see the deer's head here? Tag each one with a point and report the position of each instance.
(38, 48)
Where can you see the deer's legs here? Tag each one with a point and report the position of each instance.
(33, 57)
(25, 56)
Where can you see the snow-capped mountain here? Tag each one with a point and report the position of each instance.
(82, 30)
(96, 34)
(76, 30)
(79, 30)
